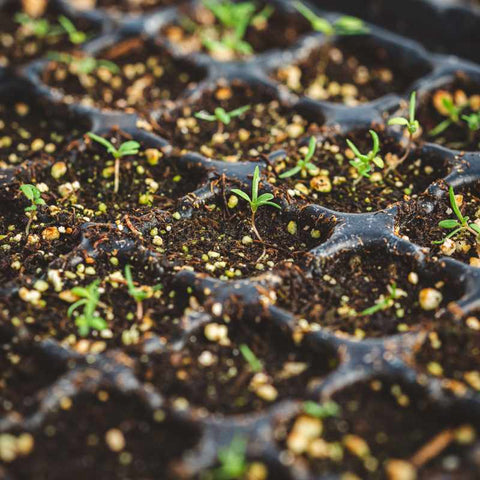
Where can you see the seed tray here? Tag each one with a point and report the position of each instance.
(162, 394)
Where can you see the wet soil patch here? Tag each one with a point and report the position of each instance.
(463, 99)
(452, 350)
(419, 223)
(25, 371)
(337, 185)
(219, 240)
(140, 78)
(351, 71)
(117, 437)
(379, 433)
(211, 372)
(264, 127)
(196, 26)
(351, 283)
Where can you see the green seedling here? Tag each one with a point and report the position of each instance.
(221, 116)
(233, 461)
(139, 294)
(459, 224)
(363, 162)
(411, 124)
(235, 18)
(385, 301)
(33, 194)
(40, 27)
(473, 123)
(345, 25)
(321, 410)
(75, 36)
(255, 364)
(83, 65)
(256, 201)
(454, 112)
(89, 300)
(131, 147)
(305, 164)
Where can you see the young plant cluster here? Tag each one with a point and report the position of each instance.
(84, 64)
(42, 28)
(234, 18)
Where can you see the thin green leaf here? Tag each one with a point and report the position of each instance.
(242, 194)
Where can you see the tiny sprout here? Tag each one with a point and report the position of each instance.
(412, 125)
(221, 116)
(255, 364)
(385, 301)
(305, 164)
(74, 35)
(321, 410)
(362, 163)
(256, 201)
(235, 19)
(232, 459)
(459, 224)
(130, 147)
(138, 294)
(89, 300)
(84, 64)
(473, 123)
(33, 194)
(344, 25)
(453, 111)
(40, 27)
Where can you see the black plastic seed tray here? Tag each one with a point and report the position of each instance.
(166, 390)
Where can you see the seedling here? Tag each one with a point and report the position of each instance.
(232, 459)
(459, 224)
(40, 27)
(473, 122)
(412, 125)
(221, 116)
(256, 201)
(139, 294)
(363, 163)
(321, 410)
(33, 194)
(255, 364)
(235, 18)
(385, 301)
(345, 25)
(74, 35)
(83, 65)
(305, 164)
(89, 300)
(453, 112)
(131, 147)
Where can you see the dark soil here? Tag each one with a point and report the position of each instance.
(266, 127)
(336, 184)
(379, 434)
(281, 30)
(25, 372)
(419, 222)
(352, 71)
(148, 77)
(116, 438)
(19, 44)
(214, 375)
(465, 94)
(452, 350)
(351, 283)
(219, 240)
